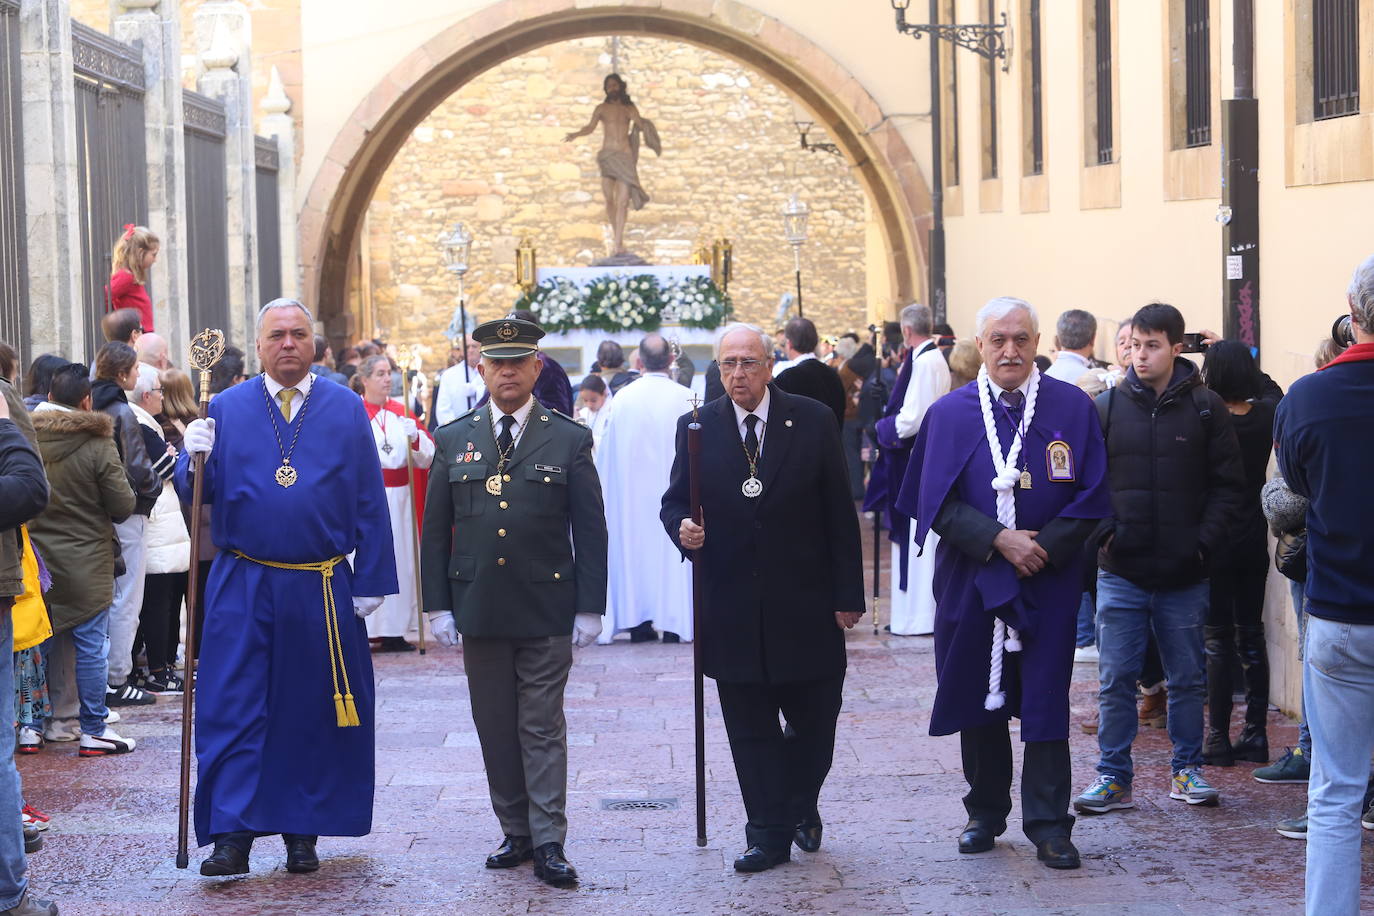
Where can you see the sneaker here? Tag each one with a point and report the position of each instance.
(30, 740)
(111, 716)
(33, 823)
(104, 744)
(128, 695)
(163, 682)
(1293, 766)
(1105, 794)
(61, 730)
(34, 813)
(32, 906)
(1085, 655)
(1367, 819)
(1188, 785)
(1295, 828)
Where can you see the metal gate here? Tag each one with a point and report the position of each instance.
(112, 167)
(207, 214)
(269, 220)
(14, 272)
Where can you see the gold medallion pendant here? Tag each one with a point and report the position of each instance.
(1025, 480)
(286, 475)
(494, 484)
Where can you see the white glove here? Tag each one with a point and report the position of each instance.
(412, 431)
(200, 436)
(586, 628)
(443, 629)
(362, 606)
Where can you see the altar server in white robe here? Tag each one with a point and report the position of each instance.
(648, 580)
(395, 432)
(913, 609)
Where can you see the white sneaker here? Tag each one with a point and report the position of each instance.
(107, 742)
(1085, 655)
(30, 741)
(111, 716)
(61, 730)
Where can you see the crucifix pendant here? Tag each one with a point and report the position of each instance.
(286, 475)
(1025, 480)
(386, 447)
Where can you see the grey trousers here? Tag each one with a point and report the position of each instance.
(516, 688)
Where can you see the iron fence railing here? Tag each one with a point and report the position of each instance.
(14, 287)
(207, 213)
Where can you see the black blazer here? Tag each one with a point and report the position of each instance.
(813, 379)
(775, 568)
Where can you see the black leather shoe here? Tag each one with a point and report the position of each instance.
(1057, 852)
(224, 861)
(300, 854)
(808, 834)
(512, 851)
(671, 637)
(644, 632)
(756, 858)
(552, 867)
(977, 837)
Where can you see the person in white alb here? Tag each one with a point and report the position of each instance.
(460, 387)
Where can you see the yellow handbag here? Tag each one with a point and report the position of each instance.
(31, 624)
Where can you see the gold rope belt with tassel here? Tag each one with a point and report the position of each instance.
(345, 711)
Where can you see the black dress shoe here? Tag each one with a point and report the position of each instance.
(300, 854)
(644, 632)
(512, 851)
(756, 858)
(551, 867)
(1057, 852)
(224, 861)
(670, 637)
(395, 644)
(808, 834)
(977, 837)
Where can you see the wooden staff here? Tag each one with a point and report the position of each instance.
(698, 596)
(405, 358)
(207, 348)
(873, 463)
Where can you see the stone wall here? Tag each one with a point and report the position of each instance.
(492, 156)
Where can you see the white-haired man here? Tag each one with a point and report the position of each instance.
(923, 379)
(284, 725)
(1324, 434)
(1012, 473)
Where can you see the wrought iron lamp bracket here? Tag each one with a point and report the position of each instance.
(985, 39)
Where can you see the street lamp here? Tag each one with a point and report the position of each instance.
(986, 39)
(456, 248)
(794, 216)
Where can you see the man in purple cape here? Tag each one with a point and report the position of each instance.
(1010, 471)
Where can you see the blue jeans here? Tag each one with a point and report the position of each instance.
(1300, 609)
(1338, 682)
(13, 865)
(1125, 614)
(91, 648)
(1086, 612)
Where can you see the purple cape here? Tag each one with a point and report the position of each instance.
(951, 457)
(886, 477)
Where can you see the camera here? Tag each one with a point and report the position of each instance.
(1342, 333)
(1194, 343)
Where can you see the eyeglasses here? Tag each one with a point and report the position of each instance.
(728, 366)
(155, 391)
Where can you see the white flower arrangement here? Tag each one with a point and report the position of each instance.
(617, 303)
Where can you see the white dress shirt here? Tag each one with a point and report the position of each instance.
(761, 412)
(521, 416)
(302, 387)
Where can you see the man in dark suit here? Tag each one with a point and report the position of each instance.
(515, 542)
(807, 375)
(783, 579)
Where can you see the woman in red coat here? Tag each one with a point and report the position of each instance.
(134, 256)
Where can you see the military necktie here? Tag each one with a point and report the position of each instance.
(503, 441)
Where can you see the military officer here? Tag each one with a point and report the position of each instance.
(513, 557)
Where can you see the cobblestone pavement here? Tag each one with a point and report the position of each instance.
(892, 810)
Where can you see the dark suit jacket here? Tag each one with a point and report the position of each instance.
(506, 565)
(813, 379)
(775, 568)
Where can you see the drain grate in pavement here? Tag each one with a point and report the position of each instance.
(639, 804)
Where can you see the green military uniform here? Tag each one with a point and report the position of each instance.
(516, 548)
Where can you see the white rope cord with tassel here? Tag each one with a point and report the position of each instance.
(1004, 484)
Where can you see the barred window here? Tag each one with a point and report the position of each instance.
(1335, 58)
(1102, 24)
(1037, 105)
(1197, 28)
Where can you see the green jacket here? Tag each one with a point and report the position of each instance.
(88, 493)
(524, 563)
(11, 547)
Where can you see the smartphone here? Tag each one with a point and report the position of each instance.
(1193, 343)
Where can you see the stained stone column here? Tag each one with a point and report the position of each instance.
(223, 33)
(278, 123)
(50, 179)
(155, 27)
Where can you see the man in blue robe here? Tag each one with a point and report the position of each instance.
(1010, 471)
(284, 718)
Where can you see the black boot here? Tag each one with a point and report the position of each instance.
(1216, 750)
(1253, 745)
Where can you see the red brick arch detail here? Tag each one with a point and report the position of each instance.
(361, 152)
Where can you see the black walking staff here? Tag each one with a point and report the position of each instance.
(207, 348)
(698, 688)
(872, 463)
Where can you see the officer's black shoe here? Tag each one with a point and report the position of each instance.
(644, 632)
(300, 854)
(670, 637)
(978, 836)
(756, 859)
(1057, 852)
(512, 851)
(552, 867)
(224, 861)
(808, 834)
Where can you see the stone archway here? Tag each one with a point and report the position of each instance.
(344, 185)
